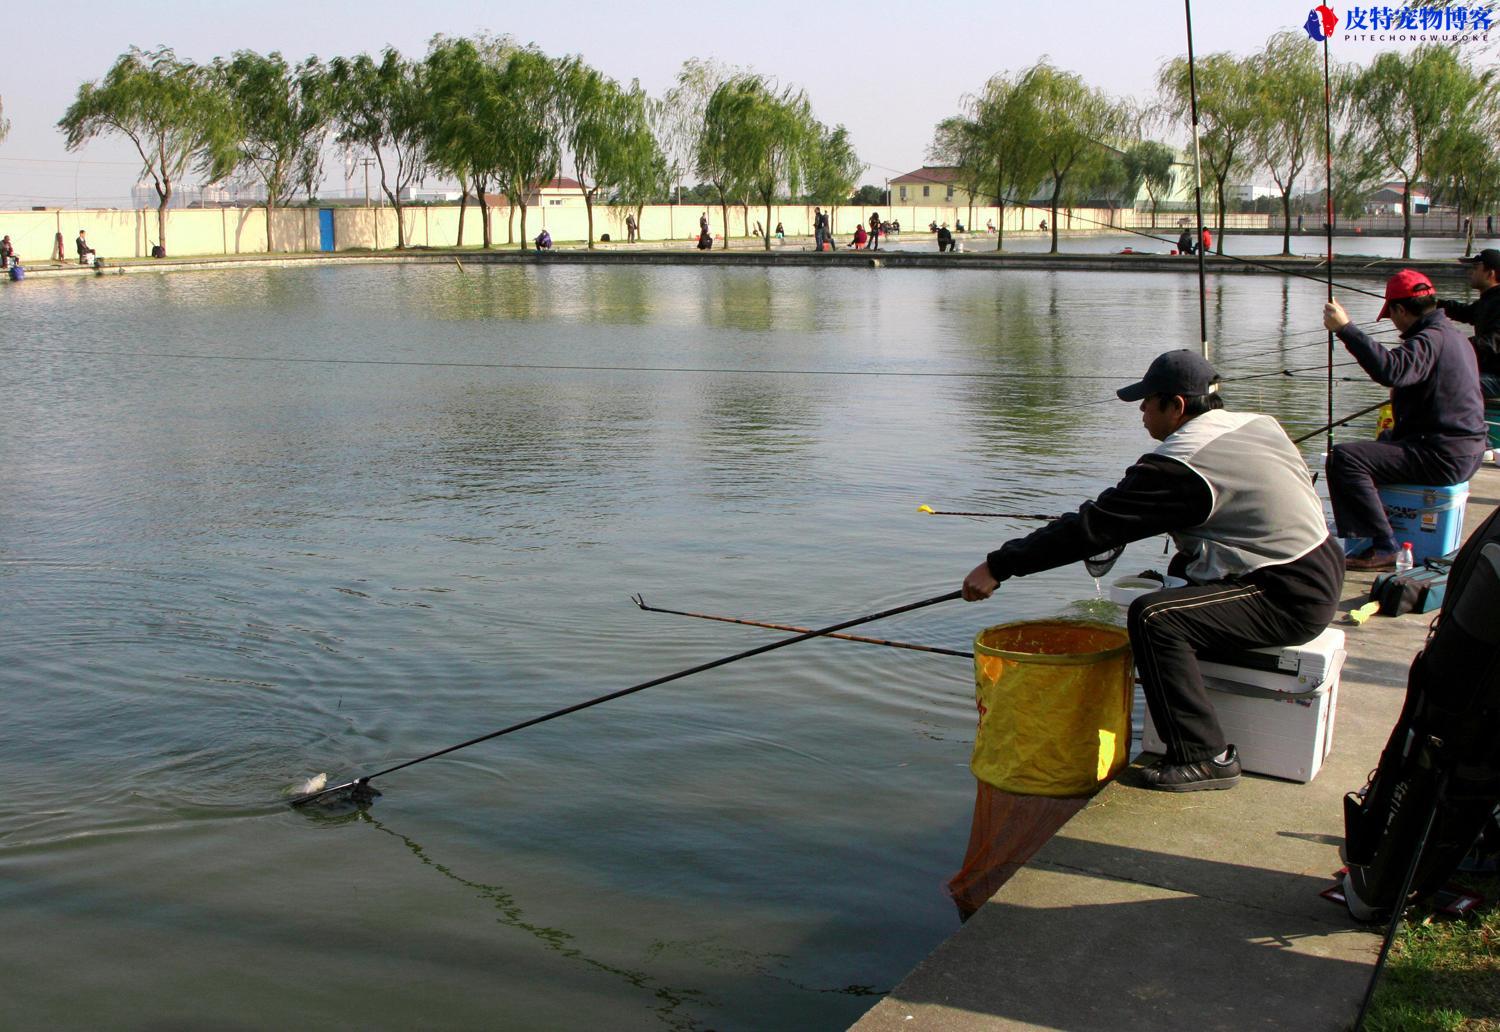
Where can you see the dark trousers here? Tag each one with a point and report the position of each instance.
(875, 240)
(1356, 471)
(1167, 630)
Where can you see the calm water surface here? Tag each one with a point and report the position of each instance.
(284, 522)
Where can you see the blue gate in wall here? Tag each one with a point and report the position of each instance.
(325, 229)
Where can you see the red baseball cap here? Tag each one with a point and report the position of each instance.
(1406, 283)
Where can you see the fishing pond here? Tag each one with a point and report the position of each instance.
(264, 523)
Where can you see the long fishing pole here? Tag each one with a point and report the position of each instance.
(641, 604)
(1338, 422)
(1044, 517)
(360, 788)
(1198, 184)
(1328, 220)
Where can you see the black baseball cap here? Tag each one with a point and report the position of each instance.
(1489, 258)
(1176, 372)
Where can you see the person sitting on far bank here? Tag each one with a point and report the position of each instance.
(1262, 570)
(1185, 242)
(958, 225)
(7, 252)
(860, 237)
(85, 252)
(544, 241)
(780, 233)
(944, 238)
(1483, 314)
(1042, 226)
(1439, 436)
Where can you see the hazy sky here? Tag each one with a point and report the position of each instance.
(889, 71)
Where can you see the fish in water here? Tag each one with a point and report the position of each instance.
(316, 783)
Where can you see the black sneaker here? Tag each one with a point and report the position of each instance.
(1205, 775)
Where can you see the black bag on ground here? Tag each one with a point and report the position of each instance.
(1443, 757)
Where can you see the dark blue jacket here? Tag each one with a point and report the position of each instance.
(1434, 379)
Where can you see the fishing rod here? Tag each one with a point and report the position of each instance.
(361, 792)
(1328, 220)
(1198, 184)
(641, 604)
(1044, 517)
(1338, 422)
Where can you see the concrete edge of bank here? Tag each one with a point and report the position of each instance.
(1344, 267)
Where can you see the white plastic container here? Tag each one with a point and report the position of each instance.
(1127, 589)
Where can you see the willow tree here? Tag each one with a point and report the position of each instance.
(830, 170)
(678, 122)
(1072, 120)
(1286, 127)
(1151, 166)
(1007, 121)
(1226, 113)
(383, 109)
(1406, 101)
(525, 106)
(168, 109)
(1464, 169)
(763, 139)
(279, 117)
(605, 129)
(958, 143)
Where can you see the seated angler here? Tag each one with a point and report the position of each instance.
(1439, 436)
(1484, 315)
(1262, 570)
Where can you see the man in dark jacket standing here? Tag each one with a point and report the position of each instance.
(1484, 315)
(1262, 570)
(1439, 436)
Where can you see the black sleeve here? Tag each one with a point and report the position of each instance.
(1156, 496)
(1458, 311)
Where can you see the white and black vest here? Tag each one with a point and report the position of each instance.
(1265, 511)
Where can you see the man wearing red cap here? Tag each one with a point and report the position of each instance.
(1439, 436)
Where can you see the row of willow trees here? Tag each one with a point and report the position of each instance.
(486, 112)
(1424, 117)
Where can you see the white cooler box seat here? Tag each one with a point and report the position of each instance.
(1276, 705)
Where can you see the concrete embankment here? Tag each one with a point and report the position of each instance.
(1345, 267)
(1160, 912)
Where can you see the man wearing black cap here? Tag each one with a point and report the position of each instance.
(1439, 436)
(1484, 315)
(1262, 570)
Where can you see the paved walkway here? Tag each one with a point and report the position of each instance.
(1160, 912)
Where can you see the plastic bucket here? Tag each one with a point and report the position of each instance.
(1127, 589)
(1054, 706)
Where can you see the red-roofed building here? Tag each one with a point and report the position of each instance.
(930, 184)
(554, 193)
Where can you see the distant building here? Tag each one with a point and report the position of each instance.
(143, 195)
(1386, 199)
(931, 184)
(1249, 192)
(555, 193)
(419, 196)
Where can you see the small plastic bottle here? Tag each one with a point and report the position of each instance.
(1403, 558)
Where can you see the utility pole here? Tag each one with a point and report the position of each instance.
(367, 162)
